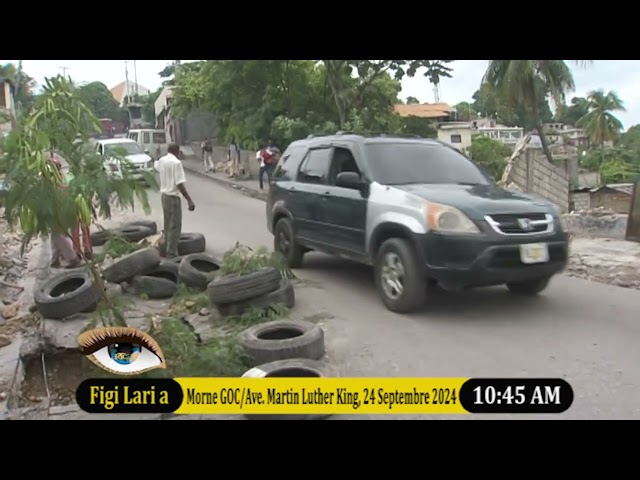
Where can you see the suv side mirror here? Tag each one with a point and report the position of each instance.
(349, 180)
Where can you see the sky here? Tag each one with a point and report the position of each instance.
(620, 76)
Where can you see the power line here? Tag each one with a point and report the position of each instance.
(64, 70)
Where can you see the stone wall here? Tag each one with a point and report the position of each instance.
(529, 171)
(617, 201)
(581, 201)
(596, 223)
(247, 158)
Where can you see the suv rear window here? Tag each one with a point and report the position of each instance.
(405, 163)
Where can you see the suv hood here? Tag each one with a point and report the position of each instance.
(479, 200)
(139, 158)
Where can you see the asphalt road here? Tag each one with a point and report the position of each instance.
(587, 333)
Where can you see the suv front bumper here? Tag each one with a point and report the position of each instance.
(488, 259)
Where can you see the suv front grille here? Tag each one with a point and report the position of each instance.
(521, 223)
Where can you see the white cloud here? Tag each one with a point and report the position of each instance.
(618, 75)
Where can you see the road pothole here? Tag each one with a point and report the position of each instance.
(65, 370)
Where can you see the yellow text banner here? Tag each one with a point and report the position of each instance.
(321, 395)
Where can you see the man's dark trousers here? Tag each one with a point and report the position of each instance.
(172, 212)
(268, 170)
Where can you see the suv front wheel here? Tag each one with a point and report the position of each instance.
(284, 242)
(400, 282)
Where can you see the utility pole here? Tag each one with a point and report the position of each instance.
(64, 70)
(135, 79)
(126, 81)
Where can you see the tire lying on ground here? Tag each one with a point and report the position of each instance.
(66, 294)
(285, 295)
(131, 233)
(294, 368)
(189, 243)
(171, 265)
(282, 340)
(161, 283)
(236, 288)
(134, 264)
(198, 269)
(150, 224)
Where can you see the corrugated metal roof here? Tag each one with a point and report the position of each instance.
(626, 188)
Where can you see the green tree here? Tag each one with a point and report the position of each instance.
(24, 86)
(97, 97)
(514, 81)
(36, 199)
(466, 112)
(412, 101)
(349, 90)
(487, 104)
(570, 114)
(599, 122)
(490, 154)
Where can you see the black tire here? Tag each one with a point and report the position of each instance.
(198, 269)
(131, 233)
(283, 340)
(285, 295)
(236, 288)
(293, 368)
(132, 265)
(414, 283)
(150, 224)
(153, 287)
(189, 243)
(172, 266)
(284, 242)
(529, 287)
(66, 294)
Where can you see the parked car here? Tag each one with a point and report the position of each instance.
(152, 141)
(111, 148)
(418, 210)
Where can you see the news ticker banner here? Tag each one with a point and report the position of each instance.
(336, 396)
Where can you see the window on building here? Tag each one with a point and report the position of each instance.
(456, 138)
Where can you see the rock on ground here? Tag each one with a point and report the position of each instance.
(604, 260)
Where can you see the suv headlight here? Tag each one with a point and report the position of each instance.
(447, 219)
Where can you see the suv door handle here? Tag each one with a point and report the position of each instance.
(327, 193)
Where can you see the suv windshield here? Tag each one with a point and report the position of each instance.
(405, 163)
(125, 148)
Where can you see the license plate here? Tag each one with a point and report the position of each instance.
(534, 253)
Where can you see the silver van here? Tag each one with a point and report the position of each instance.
(152, 141)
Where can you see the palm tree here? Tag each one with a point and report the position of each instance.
(599, 123)
(514, 82)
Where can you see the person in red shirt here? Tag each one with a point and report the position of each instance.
(61, 244)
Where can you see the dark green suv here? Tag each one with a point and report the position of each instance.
(417, 210)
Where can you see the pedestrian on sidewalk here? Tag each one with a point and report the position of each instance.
(172, 185)
(233, 156)
(207, 156)
(266, 159)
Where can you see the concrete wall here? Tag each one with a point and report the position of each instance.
(591, 225)
(198, 125)
(247, 158)
(445, 133)
(530, 171)
(616, 201)
(581, 201)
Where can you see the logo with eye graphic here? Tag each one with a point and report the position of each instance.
(121, 350)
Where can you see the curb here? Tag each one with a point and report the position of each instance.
(38, 270)
(229, 184)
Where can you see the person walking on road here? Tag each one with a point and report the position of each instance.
(172, 185)
(267, 159)
(207, 156)
(233, 156)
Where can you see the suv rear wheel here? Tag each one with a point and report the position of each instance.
(529, 287)
(400, 282)
(284, 242)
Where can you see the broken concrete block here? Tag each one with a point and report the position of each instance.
(64, 334)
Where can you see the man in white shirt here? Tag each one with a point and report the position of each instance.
(172, 181)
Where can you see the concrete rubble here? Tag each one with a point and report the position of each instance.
(596, 222)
